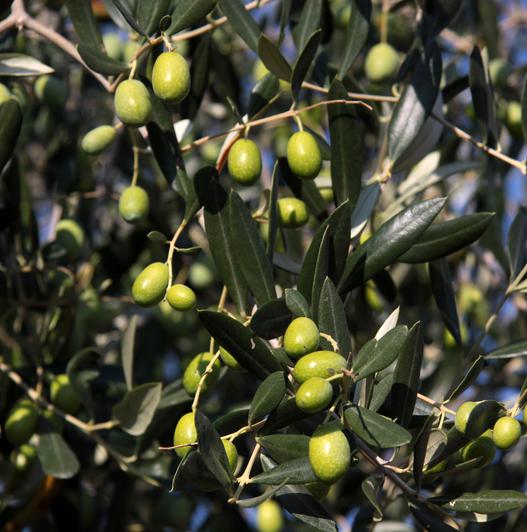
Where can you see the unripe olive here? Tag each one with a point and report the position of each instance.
(513, 118)
(5, 93)
(506, 432)
(327, 194)
(314, 395)
(381, 63)
(51, 90)
(269, 517)
(129, 50)
(134, 204)
(229, 360)
(292, 212)
(499, 72)
(132, 103)
(201, 275)
(23, 458)
(329, 452)
(69, 235)
(303, 155)
(99, 139)
(244, 162)
(181, 297)
(113, 45)
(232, 454)
(185, 433)
(63, 395)
(21, 423)
(194, 371)
(301, 337)
(318, 364)
(481, 447)
(171, 77)
(462, 415)
(151, 284)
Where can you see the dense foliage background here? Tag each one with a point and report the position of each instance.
(450, 124)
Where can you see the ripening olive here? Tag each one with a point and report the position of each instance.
(301, 337)
(513, 118)
(20, 423)
(292, 212)
(506, 432)
(63, 394)
(381, 63)
(194, 371)
(244, 162)
(269, 517)
(69, 236)
(201, 275)
(318, 364)
(5, 93)
(481, 447)
(51, 90)
(23, 458)
(133, 105)
(134, 204)
(314, 395)
(113, 45)
(232, 454)
(151, 284)
(329, 452)
(462, 415)
(327, 194)
(171, 77)
(99, 139)
(181, 297)
(303, 155)
(185, 433)
(229, 360)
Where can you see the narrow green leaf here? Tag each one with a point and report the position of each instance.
(488, 502)
(273, 213)
(263, 92)
(242, 22)
(85, 23)
(149, 14)
(364, 208)
(273, 59)
(21, 65)
(252, 502)
(296, 471)
(469, 376)
(376, 355)
(420, 448)
(136, 410)
(194, 470)
(285, 415)
(285, 447)
(173, 394)
(308, 23)
(187, 12)
(304, 62)
(379, 393)
(271, 319)
(127, 351)
(430, 518)
(82, 368)
(517, 245)
(321, 271)
(374, 429)
(347, 146)
(129, 16)
(97, 60)
(372, 489)
(387, 244)
(515, 349)
(251, 352)
(249, 249)
(332, 317)
(356, 34)
(10, 125)
(482, 417)
(444, 238)
(55, 456)
(268, 396)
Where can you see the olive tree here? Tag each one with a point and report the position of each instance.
(263, 265)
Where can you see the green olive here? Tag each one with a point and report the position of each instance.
(134, 204)
(506, 432)
(245, 162)
(381, 63)
(329, 452)
(462, 415)
(23, 458)
(133, 105)
(482, 447)
(21, 423)
(5, 93)
(318, 364)
(301, 337)
(151, 284)
(292, 212)
(69, 236)
(63, 395)
(99, 139)
(194, 371)
(314, 395)
(229, 360)
(327, 194)
(185, 433)
(51, 90)
(181, 297)
(129, 50)
(303, 155)
(269, 517)
(513, 118)
(499, 72)
(232, 454)
(113, 45)
(171, 77)
(201, 276)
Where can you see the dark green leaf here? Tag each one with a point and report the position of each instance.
(443, 292)
(194, 470)
(321, 271)
(444, 446)
(420, 448)
(273, 59)
(304, 62)
(297, 471)
(308, 23)
(387, 244)
(97, 60)
(516, 349)
(347, 146)
(284, 416)
(271, 320)
(85, 23)
(379, 354)
(263, 92)
(129, 16)
(242, 22)
(249, 249)
(488, 502)
(518, 242)
(356, 33)
(380, 392)
(285, 447)
(127, 351)
(437, 15)
(81, 369)
(56, 457)
(10, 125)
(468, 378)
(173, 394)
(188, 12)
(296, 303)
(273, 213)
(482, 417)
(285, 13)
(372, 489)
(363, 208)
(332, 317)
(406, 380)
(268, 396)
(374, 429)
(251, 352)
(150, 14)
(136, 410)
(430, 518)
(443, 238)
(157, 236)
